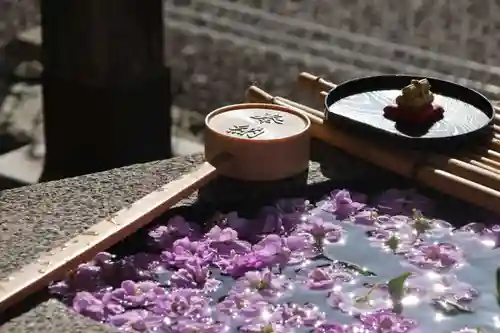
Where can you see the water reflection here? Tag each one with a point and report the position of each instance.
(337, 271)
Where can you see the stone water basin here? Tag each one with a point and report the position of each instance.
(345, 264)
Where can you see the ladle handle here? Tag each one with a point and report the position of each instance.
(256, 95)
(103, 235)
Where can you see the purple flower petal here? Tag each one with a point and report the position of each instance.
(341, 204)
(435, 256)
(264, 283)
(386, 321)
(86, 304)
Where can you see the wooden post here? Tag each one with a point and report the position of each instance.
(106, 90)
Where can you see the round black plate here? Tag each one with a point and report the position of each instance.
(361, 103)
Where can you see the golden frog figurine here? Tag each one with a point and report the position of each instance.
(415, 95)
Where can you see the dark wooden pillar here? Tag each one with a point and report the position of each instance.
(106, 90)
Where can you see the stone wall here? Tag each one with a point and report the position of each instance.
(218, 48)
(463, 28)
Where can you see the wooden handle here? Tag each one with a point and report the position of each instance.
(256, 95)
(313, 82)
(54, 265)
(310, 111)
(486, 160)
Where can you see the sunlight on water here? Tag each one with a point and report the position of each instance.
(399, 274)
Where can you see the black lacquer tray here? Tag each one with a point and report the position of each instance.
(360, 104)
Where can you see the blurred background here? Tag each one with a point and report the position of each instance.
(216, 48)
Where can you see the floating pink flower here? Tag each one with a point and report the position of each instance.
(265, 283)
(104, 260)
(258, 258)
(301, 248)
(236, 265)
(132, 294)
(389, 226)
(386, 322)
(96, 276)
(272, 250)
(194, 275)
(325, 278)
(341, 204)
(321, 230)
(365, 217)
(184, 250)
(181, 304)
(90, 306)
(177, 227)
(296, 316)
(435, 256)
(224, 241)
(136, 321)
(242, 307)
(87, 277)
(269, 252)
(404, 236)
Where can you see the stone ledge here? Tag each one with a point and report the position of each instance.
(19, 165)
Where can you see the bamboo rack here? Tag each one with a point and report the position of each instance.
(472, 175)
